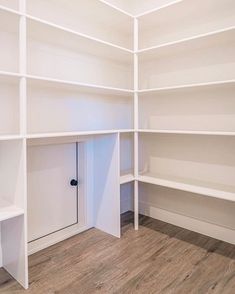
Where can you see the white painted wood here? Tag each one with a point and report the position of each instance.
(90, 18)
(199, 187)
(151, 98)
(136, 123)
(126, 178)
(9, 110)
(199, 17)
(81, 109)
(106, 184)
(13, 248)
(127, 197)
(200, 162)
(13, 4)
(90, 88)
(7, 210)
(187, 222)
(101, 65)
(136, 8)
(52, 201)
(9, 40)
(126, 154)
(187, 86)
(183, 132)
(182, 63)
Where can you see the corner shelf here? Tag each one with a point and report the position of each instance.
(186, 86)
(126, 178)
(219, 191)
(188, 132)
(83, 87)
(70, 134)
(79, 34)
(185, 41)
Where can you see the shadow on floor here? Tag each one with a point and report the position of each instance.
(207, 243)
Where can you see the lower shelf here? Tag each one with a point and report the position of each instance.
(7, 210)
(219, 191)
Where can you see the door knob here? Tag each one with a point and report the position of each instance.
(73, 182)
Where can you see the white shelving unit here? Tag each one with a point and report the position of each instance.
(186, 115)
(147, 89)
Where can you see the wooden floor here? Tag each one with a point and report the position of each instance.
(159, 258)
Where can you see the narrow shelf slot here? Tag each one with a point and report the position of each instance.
(9, 40)
(9, 106)
(126, 150)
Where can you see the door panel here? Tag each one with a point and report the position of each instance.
(52, 201)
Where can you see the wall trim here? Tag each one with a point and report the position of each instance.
(193, 224)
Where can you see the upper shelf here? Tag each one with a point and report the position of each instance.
(60, 54)
(206, 59)
(93, 19)
(186, 87)
(163, 26)
(79, 87)
(197, 42)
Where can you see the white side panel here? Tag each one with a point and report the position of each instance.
(13, 249)
(106, 184)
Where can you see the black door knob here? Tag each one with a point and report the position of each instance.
(73, 182)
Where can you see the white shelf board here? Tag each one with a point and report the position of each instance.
(154, 10)
(80, 35)
(126, 178)
(81, 133)
(91, 88)
(4, 8)
(187, 44)
(10, 137)
(188, 132)
(187, 86)
(9, 74)
(190, 185)
(186, 40)
(8, 210)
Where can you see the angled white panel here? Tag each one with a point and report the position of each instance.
(106, 184)
(14, 252)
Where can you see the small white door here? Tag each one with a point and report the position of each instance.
(52, 197)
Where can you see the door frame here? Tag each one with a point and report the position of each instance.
(84, 196)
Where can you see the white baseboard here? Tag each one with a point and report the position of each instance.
(52, 239)
(196, 225)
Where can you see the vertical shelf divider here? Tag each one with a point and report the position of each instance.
(136, 122)
(23, 125)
